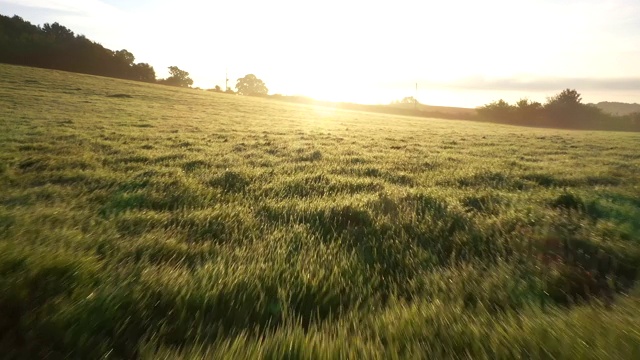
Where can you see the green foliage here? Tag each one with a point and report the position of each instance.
(500, 110)
(567, 97)
(564, 110)
(179, 224)
(54, 46)
(177, 77)
(251, 85)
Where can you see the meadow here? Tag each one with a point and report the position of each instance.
(144, 221)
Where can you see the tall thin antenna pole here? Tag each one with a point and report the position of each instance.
(226, 77)
(415, 99)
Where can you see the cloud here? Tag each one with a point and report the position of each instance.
(75, 7)
(543, 84)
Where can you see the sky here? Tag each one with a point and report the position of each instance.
(459, 52)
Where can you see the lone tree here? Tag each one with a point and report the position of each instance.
(407, 100)
(178, 78)
(251, 85)
(565, 107)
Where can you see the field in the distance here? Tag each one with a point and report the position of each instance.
(146, 221)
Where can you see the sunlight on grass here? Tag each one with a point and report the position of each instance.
(175, 223)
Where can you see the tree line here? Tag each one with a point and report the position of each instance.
(564, 110)
(53, 46)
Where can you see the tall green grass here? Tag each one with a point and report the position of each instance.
(176, 223)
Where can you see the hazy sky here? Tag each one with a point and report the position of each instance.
(460, 52)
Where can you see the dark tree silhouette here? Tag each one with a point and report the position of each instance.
(567, 108)
(124, 57)
(143, 72)
(568, 97)
(54, 46)
(527, 111)
(58, 32)
(177, 78)
(251, 85)
(498, 110)
(564, 110)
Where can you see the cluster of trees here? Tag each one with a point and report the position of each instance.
(177, 77)
(248, 85)
(564, 110)
(53, 46)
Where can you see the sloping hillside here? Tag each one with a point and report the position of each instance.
(143, 221)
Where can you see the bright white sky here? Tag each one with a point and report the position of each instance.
(460, 52)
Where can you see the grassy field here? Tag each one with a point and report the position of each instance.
(142, 221)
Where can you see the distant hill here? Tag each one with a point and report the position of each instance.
(601, 121)
(618, 108)
(464, 112)
(441, 112)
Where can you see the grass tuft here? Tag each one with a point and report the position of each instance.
(230, 181)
